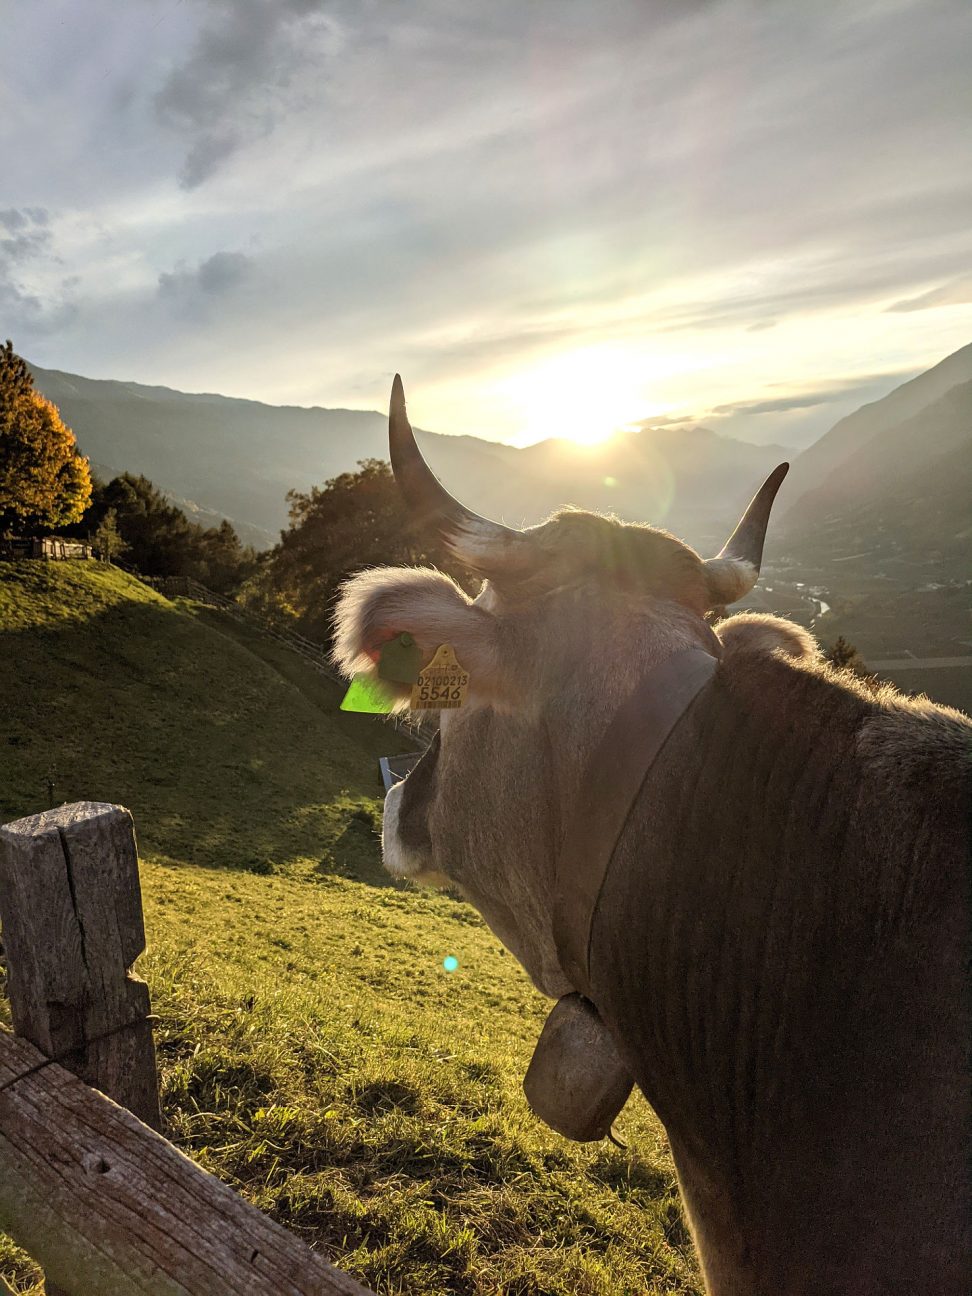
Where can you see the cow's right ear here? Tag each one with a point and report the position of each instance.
(377, 605)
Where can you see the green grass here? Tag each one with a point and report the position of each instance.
(313, 1051)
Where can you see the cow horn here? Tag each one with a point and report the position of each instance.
(735, 569)
(476, 540)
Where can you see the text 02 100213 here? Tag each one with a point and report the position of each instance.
(442, 685)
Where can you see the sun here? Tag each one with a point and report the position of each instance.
(584, 396)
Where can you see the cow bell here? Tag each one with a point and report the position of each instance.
(576, 1083)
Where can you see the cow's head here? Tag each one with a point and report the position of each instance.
(570, 616)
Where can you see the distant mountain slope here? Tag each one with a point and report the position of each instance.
(854, 432)
(238, 458)
(898, 503)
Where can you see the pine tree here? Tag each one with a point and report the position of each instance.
(844, 655)
(158, 539)
(108, 539)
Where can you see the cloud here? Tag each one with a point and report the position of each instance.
(733, 417)
(235, 83)
(17, 304)
(666, 421)
(798, 418)
(470, 190)
(195, 290)
(827, 394)
(16, 219)
(954, 293)
(29, 241)
(27, 233)
(774, 406)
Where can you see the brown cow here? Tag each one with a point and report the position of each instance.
(779, 946)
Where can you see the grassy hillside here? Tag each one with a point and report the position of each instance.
(313, 1050)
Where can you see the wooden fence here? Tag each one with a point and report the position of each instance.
(186, 587)
(88, 1187)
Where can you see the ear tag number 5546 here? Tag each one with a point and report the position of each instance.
(442, 685)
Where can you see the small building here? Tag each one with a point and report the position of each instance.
(53, 547)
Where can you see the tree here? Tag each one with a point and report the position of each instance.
(355, 520)
(108, 539)
(158, 534)
(159, 540)
(44, 480)
(845, 656)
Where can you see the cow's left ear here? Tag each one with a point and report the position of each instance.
(380, 604)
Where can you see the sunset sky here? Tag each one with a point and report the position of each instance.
(554, 218)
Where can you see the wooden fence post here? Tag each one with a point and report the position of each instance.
(71, 909)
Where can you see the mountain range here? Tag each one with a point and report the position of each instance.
(891, 478)
(888, 489)
(220, 456)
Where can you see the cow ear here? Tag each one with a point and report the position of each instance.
(376, 606)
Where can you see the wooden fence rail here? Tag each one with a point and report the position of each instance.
(109, 1208)
(92, 1192)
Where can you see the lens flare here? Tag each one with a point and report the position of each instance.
(450, 963)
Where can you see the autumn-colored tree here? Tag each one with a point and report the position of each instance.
(44, 480)
(355, 520)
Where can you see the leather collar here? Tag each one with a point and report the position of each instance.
(614, 777)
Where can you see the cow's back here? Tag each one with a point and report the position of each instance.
(788, 984)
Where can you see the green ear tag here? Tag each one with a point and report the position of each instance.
(400, 660)
(367, 695)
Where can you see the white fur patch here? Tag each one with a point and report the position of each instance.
(729, 579)
(399, 862)
(489, 546)
(486, 598)
(385, 600)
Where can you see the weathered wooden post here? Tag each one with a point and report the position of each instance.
(106, 1205)
(71, 909)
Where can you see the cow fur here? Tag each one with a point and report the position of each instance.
(788, 982)
(780, 945)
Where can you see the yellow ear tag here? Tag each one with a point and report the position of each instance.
(442, 685)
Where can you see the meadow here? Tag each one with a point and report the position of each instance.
(313, 1050)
